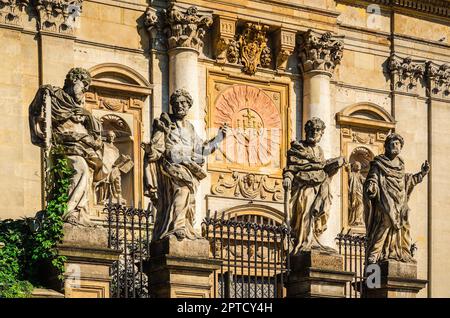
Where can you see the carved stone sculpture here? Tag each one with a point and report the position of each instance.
(173, 168)
(58, 15)
(386, 193)
(10, 10)
(108, 181)
(306, 180)
(355, 195)
(76, 130)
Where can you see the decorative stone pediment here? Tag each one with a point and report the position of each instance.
(10, 10)
(439, 78)
(319, 52)
(186, 28)
(406, 72)
(58, 15)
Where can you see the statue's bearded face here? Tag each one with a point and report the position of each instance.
(394, 147)
(78, 90)
(181, 107)
(314, 134)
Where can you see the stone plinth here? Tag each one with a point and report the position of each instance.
(317, 273)
(45, 293)
(181, 269)
(87, 269)
(398, 280)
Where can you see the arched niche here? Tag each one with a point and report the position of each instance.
(363, 130)
(258, 213)
(118, 96)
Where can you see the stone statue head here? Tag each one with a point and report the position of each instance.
(356, 166)
(314, 129)
(393, 145)
(181, 101)
(110, 136)
(77, 83)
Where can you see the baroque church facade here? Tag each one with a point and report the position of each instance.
(263, 68)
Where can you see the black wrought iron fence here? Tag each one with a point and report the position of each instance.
(129, 230)
(353, 248)
(253, 250)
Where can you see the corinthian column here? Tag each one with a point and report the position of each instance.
(186, 29)
(319, 54)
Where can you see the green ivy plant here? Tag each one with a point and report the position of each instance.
(29, 243)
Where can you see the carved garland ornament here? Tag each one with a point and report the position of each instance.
(320, 52)
(249, 186)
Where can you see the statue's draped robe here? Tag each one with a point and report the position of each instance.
(355, 198)
(108, 179)
(310, 193)
(173, 169)
(78, 132)
(389, 207)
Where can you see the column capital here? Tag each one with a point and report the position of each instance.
(187, 27)
(285, 44)
(10, 11)
(405, 71)
(438, 78)
(58, 16)
(319, 52)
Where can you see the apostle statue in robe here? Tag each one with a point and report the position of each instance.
(306, 179)
(74, 128)
(173, 169)
(355, 195)
(386, 213)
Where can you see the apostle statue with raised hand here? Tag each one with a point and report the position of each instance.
(386, 213)
(306, 180)
(73, 128)
(173, 168)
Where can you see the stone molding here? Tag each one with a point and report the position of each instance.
(405, 71)
(285, 45)
(320, 52)
(10, 11)
(58, 16)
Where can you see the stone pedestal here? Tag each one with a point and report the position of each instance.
(398, 280)
(181, 269)
(87, 269)
(317, 273)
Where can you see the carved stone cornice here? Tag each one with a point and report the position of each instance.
(405, 71)
(10, 11)
(285, 45)
(186, 28)
(319, 52)
(249, 186)
(438, 78)
(58, 15)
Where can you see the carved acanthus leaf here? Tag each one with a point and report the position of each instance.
(186, 28)
(406, 71)
(249, 186)
(320, 52)
(439, 78)
(154, 22)
(58, 15)
(9, 10)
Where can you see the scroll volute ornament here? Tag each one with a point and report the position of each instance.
(320, 52)
(186, 29)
